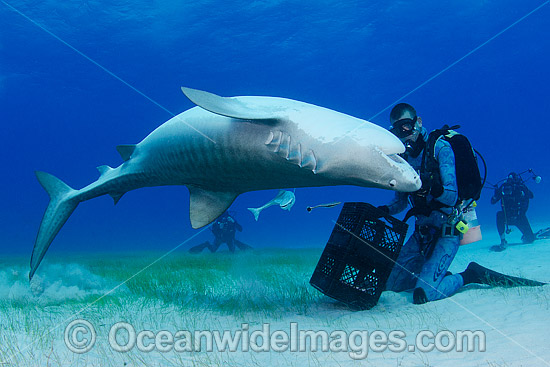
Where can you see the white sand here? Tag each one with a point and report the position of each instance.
(515, 321)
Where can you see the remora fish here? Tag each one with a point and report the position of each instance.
(259, 143)
(285, 199)
(328, 205)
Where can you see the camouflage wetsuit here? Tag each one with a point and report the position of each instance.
(428, 253)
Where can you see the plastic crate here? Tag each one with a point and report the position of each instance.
(359, 255)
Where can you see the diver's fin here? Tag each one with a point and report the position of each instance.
(497, 248)
(230, 106)
(543, 234)
(205, 206)
(126, 151)
(256, 212)
(481, 275)
(62, 204)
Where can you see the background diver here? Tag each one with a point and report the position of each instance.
(514, 197)
(223, 229)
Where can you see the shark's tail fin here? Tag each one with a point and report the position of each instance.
(256, 212)
(63, 202)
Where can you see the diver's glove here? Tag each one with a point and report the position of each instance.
(383, 209)
(423, 191)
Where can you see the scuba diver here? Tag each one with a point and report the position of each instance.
(514, 197)
(425, 258)
(223, 229)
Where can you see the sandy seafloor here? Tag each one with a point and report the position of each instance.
(515, 320)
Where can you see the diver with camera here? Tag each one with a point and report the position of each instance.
(514, 196)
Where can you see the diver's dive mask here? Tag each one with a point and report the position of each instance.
(404, 127)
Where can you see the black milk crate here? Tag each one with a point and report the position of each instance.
(359, 255)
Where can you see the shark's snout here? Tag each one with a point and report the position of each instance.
(410, 185)
(397, 174)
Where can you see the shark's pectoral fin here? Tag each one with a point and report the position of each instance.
(126, 150)
(229, 106)
(205, 206)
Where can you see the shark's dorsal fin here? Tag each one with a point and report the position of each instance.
(205, 206)
(126, 150)
(229, 106)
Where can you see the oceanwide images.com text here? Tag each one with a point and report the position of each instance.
(80, 337)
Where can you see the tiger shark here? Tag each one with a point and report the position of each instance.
(248, 143)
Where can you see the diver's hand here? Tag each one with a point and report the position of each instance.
(383, 209)
(423, 191)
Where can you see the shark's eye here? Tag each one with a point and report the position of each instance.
(393, 183)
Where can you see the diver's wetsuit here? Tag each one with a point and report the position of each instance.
(415, 266)
(514, 197)
(224, 229)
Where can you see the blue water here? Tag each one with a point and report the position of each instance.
(63, 114)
